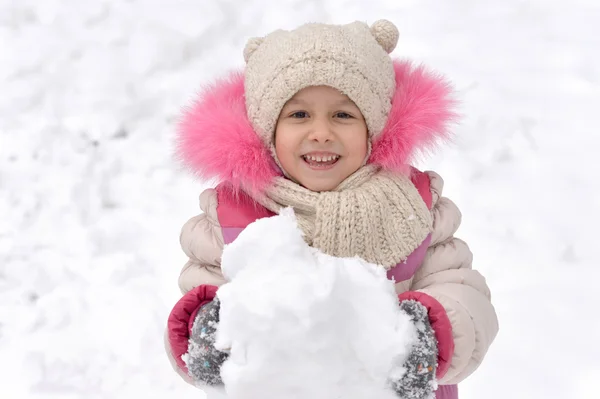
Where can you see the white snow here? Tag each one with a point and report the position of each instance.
(301, 324)
(91, 203)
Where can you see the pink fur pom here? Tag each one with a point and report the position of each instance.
(216, 139)
(422, 110)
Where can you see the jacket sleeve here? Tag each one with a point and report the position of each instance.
(446, 281)
(202, 241)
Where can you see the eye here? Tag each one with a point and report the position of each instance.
(299, 114)
(343, 115)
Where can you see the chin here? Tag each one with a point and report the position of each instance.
(319, 186)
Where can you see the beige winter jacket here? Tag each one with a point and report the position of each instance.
(446, 275)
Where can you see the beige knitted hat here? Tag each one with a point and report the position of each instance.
(352, 58)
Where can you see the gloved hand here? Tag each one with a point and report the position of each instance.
(419, 380)
(204, 361)
(192, 326)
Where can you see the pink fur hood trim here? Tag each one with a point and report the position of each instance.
(215, 139)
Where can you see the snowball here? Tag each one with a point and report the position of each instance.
(302, 324)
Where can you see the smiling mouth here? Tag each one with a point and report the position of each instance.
(321, 162)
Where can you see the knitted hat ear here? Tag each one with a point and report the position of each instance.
(251, 46)
(386, 34)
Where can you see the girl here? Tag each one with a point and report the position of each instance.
(323, 120)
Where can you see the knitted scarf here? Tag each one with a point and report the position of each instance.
(376, 215)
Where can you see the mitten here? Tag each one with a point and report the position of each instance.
(418, 382)
(192, 326)
(204, 361)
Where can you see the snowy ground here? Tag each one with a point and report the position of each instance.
(91, 203)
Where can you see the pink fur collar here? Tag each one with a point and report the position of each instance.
(216, 141)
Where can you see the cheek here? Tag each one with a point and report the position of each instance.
(358, 146)
(285, 147)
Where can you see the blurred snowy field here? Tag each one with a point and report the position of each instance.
(91, 202)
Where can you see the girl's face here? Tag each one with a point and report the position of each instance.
(320, 138)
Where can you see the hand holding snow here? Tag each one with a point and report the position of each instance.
(301, 324)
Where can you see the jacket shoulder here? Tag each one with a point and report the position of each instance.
(236, 210)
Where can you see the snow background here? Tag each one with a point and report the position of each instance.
(91, 203)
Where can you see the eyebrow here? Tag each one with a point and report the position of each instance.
(299, 101)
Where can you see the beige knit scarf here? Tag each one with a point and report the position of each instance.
(376, 215)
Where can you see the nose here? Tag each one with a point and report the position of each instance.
(320, 131)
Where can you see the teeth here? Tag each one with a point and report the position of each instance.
(321, 159)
